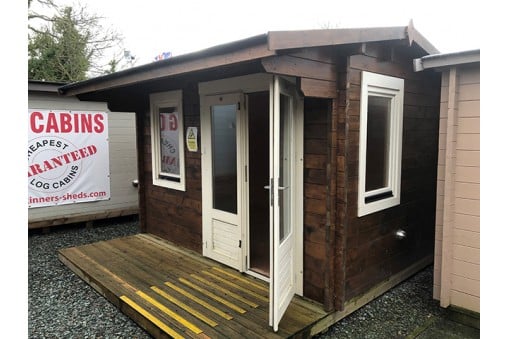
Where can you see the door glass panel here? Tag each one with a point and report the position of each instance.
(224, 174)
(284, 169)
(378, 132)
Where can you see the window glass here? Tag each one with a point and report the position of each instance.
(284, 169)
(378, 143)
(224, 173)
(169, 141)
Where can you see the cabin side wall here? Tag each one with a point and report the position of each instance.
(171, 214)
(457, 250)
(122, 162)
(372, 252)
(317, 222)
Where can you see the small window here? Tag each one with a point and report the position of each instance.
(381, 114)
(168, 164)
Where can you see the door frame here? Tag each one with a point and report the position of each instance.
(248, 84)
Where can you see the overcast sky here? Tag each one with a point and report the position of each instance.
(151, 27)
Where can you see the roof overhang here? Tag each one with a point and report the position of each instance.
(44, 86)
(326, 37)
(247, 50)
(436, 61)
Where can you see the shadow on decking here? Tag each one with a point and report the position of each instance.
(171, 292)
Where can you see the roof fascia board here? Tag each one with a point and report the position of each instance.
(168, 68)
(278, 40)
(42, 86)
(446, 60)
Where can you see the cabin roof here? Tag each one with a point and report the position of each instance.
(252, 48)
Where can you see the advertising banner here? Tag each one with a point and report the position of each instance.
(68, 157)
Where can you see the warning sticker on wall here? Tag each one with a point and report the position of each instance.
(192, 139)
(68, 157)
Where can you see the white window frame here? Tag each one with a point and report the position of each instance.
(158, 100)
(393, 88)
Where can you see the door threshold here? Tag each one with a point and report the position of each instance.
(258, 276)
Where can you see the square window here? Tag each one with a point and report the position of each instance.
(168, 157)
(381, 116)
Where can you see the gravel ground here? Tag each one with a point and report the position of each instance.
(61, 305)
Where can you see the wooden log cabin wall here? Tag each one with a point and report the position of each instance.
(171, 214)
(367, 252)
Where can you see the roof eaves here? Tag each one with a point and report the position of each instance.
(44, 86)
(446, 60)
(278, 40)
(150, 68)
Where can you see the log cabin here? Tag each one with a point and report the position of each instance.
(305, 159)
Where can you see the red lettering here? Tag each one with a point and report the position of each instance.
(168, 160)
(86, 124)
(99, 124)
(92, 149)
(173, 122)
(162, 122)
(52, 124)
(83, 153)
(65, 122)
(47, 166)
(33, 117)
(76, 123)
(34, 170)
(168, 122)
(74, 155)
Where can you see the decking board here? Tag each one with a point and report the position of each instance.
(147, 279)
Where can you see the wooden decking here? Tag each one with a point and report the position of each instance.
(171, 292)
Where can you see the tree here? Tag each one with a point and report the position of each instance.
(70, 44)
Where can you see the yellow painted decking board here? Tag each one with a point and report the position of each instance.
(138, 280)
(133, 249)
(148, 268)
(132, 273)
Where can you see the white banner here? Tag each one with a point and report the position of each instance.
(68, 157)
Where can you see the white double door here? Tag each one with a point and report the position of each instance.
(225, 170)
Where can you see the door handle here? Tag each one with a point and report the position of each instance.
(269, 188)
(282, 188)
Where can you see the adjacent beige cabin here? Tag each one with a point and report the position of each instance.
(122, 162)
(457, 246)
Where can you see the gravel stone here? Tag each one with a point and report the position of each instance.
(61, 305)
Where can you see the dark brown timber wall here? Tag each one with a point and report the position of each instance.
(367, 250)
(171, 214)
(316, 187)
(315, 69)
